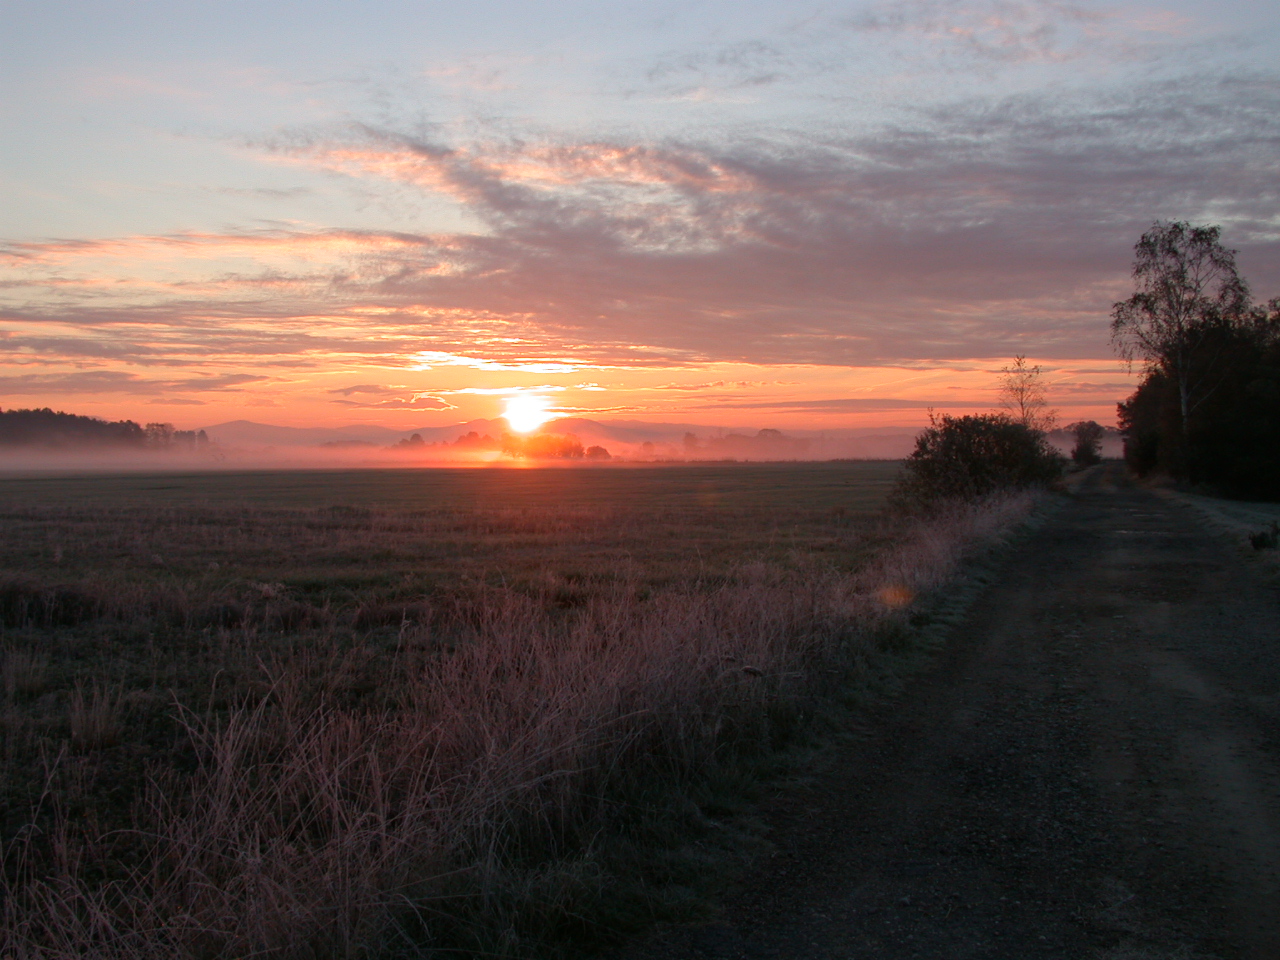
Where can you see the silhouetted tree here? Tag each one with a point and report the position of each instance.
(1148, 416)
(159, 435)
(1208, 407)
(1188, 296)
(1232, 439)
(1022, 394)
(1088, 448)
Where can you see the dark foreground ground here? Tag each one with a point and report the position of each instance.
(1091, 771)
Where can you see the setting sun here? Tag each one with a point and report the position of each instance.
(526, 413)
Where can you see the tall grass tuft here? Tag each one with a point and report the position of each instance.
(94, 716)
(24, 671)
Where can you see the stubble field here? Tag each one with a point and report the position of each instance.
(390, 713)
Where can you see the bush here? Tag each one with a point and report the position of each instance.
(965, 458)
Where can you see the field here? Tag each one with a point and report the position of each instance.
(382, 713)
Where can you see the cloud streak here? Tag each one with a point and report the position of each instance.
(114, 381)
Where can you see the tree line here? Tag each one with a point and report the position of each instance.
(44, 427)
(1207, 410)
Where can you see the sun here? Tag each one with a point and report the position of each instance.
(526, 413)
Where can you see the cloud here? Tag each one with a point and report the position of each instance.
(371, 388)
(178, 402)
(1010, 31)
(846, 404)
(744, 63)
(266, 193)
(15, 345)
(921, 37)
(418, 401)
(510, 391)
(721, 384)
(114, 381)
(426, 359)
(984, 228)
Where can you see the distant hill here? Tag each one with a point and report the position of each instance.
(248, 433)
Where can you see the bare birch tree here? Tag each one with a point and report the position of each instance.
(1022, 393)
(1188, 289)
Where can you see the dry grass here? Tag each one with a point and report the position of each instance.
(24, 672)
(94, 717)
(471, 770)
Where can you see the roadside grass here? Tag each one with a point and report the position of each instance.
(1251, 525)
(515, 726)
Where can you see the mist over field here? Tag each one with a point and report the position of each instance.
(246, 443)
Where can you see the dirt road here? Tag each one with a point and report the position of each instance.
(1092, 770)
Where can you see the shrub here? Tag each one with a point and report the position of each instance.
(965, 458)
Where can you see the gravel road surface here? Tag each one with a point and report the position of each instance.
(1091, 770)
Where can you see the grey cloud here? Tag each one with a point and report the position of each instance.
(849, 251)
(75, 347)
(850, 404)
(224, 382)
(267, 193)
(93, 381)
(112, 381)
(999, 30)
(372, 388)
(747, 63)
(933, 35)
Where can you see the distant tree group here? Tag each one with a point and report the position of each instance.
(467, 441)
(162, 436)
(1088, 436)
(540, 446)
(765, 444)
(544, 446)
(1208, 407)
(48, 428)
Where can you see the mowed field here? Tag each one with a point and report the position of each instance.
(366, 713)
(323, 531)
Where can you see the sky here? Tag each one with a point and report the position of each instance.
(746, 213)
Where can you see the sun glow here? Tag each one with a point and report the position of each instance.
(526, 412)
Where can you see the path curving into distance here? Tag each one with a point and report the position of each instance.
(1092, 770)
